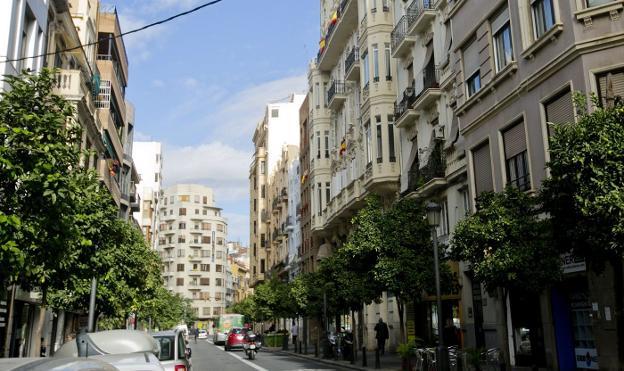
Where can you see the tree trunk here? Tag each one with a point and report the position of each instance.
(401, 310)
(360, 330)
(504, 295)
(619, 306)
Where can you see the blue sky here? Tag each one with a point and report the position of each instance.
(200, 83)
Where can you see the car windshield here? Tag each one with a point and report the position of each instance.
(236, 331)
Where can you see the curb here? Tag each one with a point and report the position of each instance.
(323, 360)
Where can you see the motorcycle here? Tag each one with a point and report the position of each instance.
(251, 346)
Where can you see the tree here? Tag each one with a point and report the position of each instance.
(585, 193)
(507, 245)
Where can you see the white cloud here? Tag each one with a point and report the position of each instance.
(238, 226)
(139, 45)
(157, 83)
(140, 136)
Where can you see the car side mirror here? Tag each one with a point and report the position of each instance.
(188, 352)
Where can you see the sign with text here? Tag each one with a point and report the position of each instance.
(571, 263)
(586, 358)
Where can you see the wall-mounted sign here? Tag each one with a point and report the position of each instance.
(586, 358)
(571, 263)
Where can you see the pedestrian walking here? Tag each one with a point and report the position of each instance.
(294, 331)
(381, 334)
(196, 334)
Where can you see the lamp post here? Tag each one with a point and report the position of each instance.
(433, 218)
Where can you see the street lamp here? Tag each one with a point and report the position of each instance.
(433, 219)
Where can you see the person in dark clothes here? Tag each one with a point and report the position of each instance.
(381, 334)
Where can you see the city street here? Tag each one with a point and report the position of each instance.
(207, 356)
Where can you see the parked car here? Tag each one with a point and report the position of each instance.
(174, 354)
(236, 338)
(55, 364)
(108, 342)
(203, 334)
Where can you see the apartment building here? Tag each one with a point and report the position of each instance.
(353, 144)
(191, 235)
(513, 68)
(307, 255)
(278, 128)
(149, 162)
(433, 163)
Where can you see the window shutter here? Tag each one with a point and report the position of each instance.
(617, 82)
(482, 169)
(500, 19)
(560, 109)
(471, 58)
(515, 140)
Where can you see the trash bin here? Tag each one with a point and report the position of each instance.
(285, 342)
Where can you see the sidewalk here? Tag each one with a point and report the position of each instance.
(388, 362)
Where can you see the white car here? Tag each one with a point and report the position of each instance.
(203, 334)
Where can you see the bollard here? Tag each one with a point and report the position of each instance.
(284, 342)
(364, 362)
(377, 361)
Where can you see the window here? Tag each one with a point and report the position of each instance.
(516, 157)
(206, 226)
(369, 155)
(205, 200)
(318, 144)
(325, 94)
(591, 3)
(366, 69)
(156, 178)
(171, 200)
(317, 93)
(217, 311)
(206, 311)
(470, 55)
(613, 81)
(196, 211)
(184, 198)
(204, 281)
(391, 149)
(559, 109)
(327, 191)
(206, 254)
(182, 211)
(262, 167)
(465, 201)
(179, 281)
(388, 60)
(543, 16)
(218, 294)
(263, 191)
(379, 140)
(180, 267)
(196, 199)
(181, 239)
(326, 144)
(205, 239)
(219, 240)
(375, 63)
(386, 5)
(501, 29)
(180, 253)
(255, 227)
(262, 240)
(320, 200)
(204, 212)
(205, 267)
(181, 225)
(482, 168)
(219, 254)
(373, 6)
(261, 265)
(219, 268)
(255, 204)
(220, 228)
(275, 113)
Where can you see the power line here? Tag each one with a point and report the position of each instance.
(113, 37)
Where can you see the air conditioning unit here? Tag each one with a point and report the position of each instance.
(438, 132)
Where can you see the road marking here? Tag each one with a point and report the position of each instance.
(250, 364)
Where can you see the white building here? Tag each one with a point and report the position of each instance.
(191, 235)
(282, 119)
(148, 161)
(23, 33)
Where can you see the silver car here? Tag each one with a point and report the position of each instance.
(174, 354)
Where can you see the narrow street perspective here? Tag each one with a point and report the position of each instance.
(281, 185)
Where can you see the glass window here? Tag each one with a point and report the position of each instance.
(474, 83)
(275, 112)
(326, 144)
(391, 150)
(503, 50)
(591, 3)
(366, 69)
(379, 145)
(318, 144)
(543, 16)
(388, 61)
(369, 155)
(182, 211)
(166, 348)
(317, 94)
(375, 63)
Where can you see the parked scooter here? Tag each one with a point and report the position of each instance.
(252, 345)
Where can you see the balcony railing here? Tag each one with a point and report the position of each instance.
(428, 78)
(400, 30)
(337, 87)
(352, 57)
(417, 7)
(400, 107)
(435, 168)
(365, 91)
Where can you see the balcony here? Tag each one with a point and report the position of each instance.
(424, 181)
(73, 85)
(423, 13)
(352, 65)
(404, 114)
(401, 41)
(336, 95)
(427, 88)
(338, 34)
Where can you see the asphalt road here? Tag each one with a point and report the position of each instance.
(209, 357)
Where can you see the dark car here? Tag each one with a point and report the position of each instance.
(236, 338)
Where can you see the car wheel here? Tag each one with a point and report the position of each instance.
(227, 349)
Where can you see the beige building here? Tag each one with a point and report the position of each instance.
(513, 67)
(353, 145)
(433, 161)
(191, 235)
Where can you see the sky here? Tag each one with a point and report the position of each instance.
(201, 82)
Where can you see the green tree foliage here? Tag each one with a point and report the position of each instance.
(585, 193)
(507, 243)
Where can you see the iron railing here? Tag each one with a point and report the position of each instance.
(400, 107)
(352, 57)
(337, 87)
(428, 78)
(417, 7)
(435, 168)
(400, 30)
